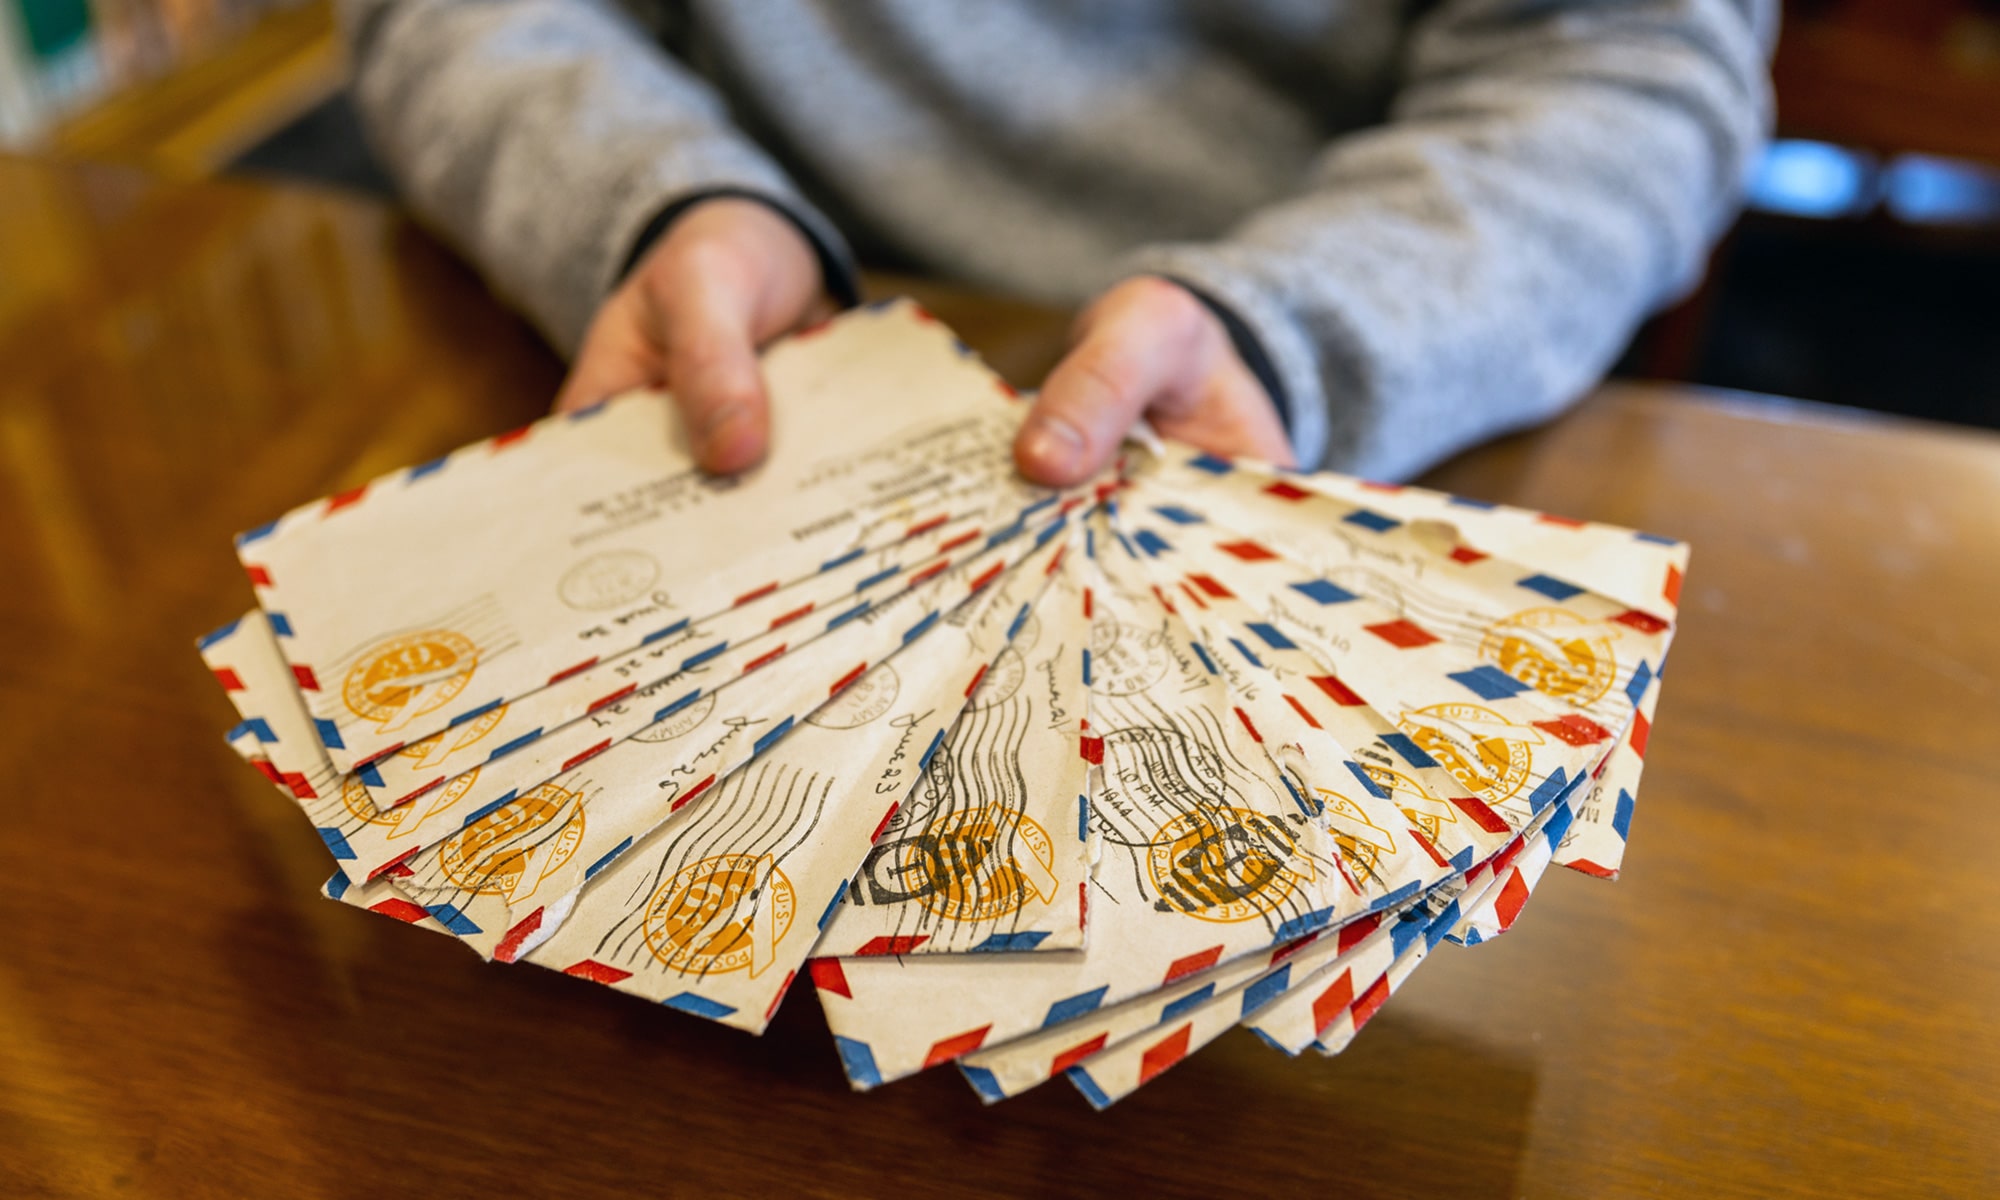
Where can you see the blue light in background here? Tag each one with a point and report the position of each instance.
(1812, 179)
(1923, 190)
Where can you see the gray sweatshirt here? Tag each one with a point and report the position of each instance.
(1434, 221)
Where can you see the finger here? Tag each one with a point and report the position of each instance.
(616, 356)
(711, 365)
(1126, 359)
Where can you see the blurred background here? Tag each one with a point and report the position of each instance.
(1865, 271)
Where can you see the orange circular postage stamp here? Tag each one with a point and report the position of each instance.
(1488, 755)
(979, 864)
(408, 676)
(500, 854)
(1554, 651)
(723, 913)
(1225, 864)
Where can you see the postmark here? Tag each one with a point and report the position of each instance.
(1125, 660)
(723, 913)
(1160, 769)
(1000, 682)
(1554, 651)
(608, 579)
(402, 678)
(974, 864)
(1224, 864)
(510, 850)
(859, 702)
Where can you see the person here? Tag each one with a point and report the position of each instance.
(1359, 234)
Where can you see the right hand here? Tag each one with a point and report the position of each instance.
(727, 276)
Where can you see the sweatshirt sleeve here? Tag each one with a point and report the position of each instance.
(1552, 171)
(544, 137)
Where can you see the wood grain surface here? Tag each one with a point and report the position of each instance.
(1792, 991)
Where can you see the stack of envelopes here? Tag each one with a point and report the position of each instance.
(1032, 781)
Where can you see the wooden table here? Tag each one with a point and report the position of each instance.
(1793, 989)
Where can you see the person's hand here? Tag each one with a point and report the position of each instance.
(1149, 348)
(729, 275)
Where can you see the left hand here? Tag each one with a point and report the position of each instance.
(1149, 348)
(729, 275)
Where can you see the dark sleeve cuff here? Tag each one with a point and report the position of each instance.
(1248, 348)
(837, 274)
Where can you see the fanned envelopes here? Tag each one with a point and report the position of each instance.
(1036, 782)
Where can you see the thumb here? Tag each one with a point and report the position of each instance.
(1122, 363)
(711, 359)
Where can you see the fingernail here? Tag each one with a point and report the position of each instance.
(1054, 444)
